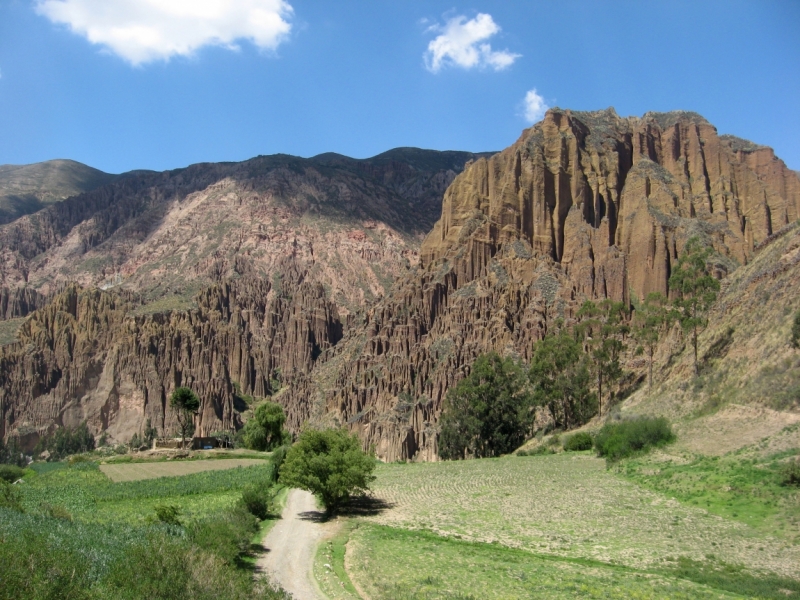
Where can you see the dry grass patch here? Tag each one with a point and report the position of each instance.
(153, 470)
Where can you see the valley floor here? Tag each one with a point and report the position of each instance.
(564, 526)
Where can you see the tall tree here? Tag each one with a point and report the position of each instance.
(604, 329)
(488, 413)
(185, 403)
(695, 290)
(649, 321)
(561, 380)
(264, 430)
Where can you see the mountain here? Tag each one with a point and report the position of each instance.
(585, 205)
(25, 189)
(309, 280)
(231, 277)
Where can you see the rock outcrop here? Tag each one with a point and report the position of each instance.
(582, 206)
(223, 277)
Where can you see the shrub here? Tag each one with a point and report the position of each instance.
(277, 458)
(11, 453)
(619, 440)
(790, 473)
(226, 535)
(11, 473)
(330, 464)
(10, 497)
(169, 514)
(66, 441)
(578, 442)
(796, 331)
(258, 498)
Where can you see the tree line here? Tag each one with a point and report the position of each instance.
(573, 369)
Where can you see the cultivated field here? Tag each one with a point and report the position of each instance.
(570, 506)
(152, 470)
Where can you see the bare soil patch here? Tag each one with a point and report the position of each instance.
(152, 470)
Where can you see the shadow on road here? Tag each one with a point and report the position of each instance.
(360, 506)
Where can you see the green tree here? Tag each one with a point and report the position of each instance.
(561, 380)
(649, 321)
(185, 403)
(66, 441)
(695, 290)
(264, 430)
(488, 413)
(796, 331)
(604, 329)
(330, 464)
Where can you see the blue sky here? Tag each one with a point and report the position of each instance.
(160, 84)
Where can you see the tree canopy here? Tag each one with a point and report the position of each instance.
(488, 413)
(330, 464)
(185, 403)
(561, 380)
(695, 290)
(264, 430)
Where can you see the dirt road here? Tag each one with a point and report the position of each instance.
(292, 544)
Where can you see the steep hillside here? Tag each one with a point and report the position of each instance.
(583, 205)
(25, 189)
(224, 277)
(749, 384)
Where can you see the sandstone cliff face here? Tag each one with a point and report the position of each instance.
(583, 206)
(105, 358)
(217, 277)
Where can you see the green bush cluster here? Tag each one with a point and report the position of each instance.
(578, 442)
(538, 451)
(626, 438)
(11, 453)
(11, 473)
(790, 473)
(66, 441)
(264, 430)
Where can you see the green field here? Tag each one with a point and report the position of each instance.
(81, 535)
(564, 525)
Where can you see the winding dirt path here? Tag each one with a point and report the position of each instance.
(292, 544)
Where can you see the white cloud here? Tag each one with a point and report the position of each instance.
(142, 31)
(534, 106)
(462, 43)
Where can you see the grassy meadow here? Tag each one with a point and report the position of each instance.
(564, 526)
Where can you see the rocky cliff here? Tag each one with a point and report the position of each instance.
(582, 206)
(223, 277)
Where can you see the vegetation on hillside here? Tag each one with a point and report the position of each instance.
(619, 440)
(488, 413)
(66, 441)
(695, 289)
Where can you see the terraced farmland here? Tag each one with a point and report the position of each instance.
(153, 470)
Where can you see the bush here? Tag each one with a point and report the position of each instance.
(619, 440)
(10, 497)
(578, 442)
(330, 464)
(169, 514)
(790, 473)
(259, 498)
(796, 331)
(11, 473)
(227, 535)
(11, 453)
(66, 441)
